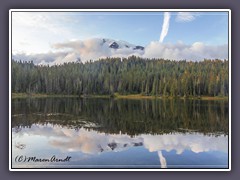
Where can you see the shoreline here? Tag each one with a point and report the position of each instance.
(117, 96)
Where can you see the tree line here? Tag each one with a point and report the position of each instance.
(132, 75)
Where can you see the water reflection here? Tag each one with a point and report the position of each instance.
(128, 116)
(195, 132)
(163, 161)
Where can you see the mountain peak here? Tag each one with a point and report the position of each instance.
(114, 45)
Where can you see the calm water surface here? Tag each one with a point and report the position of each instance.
(108, 133)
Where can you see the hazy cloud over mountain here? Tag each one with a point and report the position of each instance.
(93, 49)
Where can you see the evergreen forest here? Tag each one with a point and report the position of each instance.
(132, 75)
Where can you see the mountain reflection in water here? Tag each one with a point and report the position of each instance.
(159, 133)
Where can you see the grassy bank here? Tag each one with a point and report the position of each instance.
(139, 96)
(33, 95)
(116, 96)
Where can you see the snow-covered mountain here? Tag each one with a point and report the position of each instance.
(114, 44)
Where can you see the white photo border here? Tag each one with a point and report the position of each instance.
(117, 10)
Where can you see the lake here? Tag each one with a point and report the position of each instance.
(119, 133)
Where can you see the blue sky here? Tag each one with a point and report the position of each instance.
(37, 32)
(209, 28)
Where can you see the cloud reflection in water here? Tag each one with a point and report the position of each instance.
(92, 142)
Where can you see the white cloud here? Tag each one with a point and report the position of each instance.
(196, 142)
(91, 142)
(42, 58)
(53, 22)
(165, 26)
(40, 29)
(186, 16)
(93, 49)
(180, 51)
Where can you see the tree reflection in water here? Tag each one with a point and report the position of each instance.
(132, 117)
